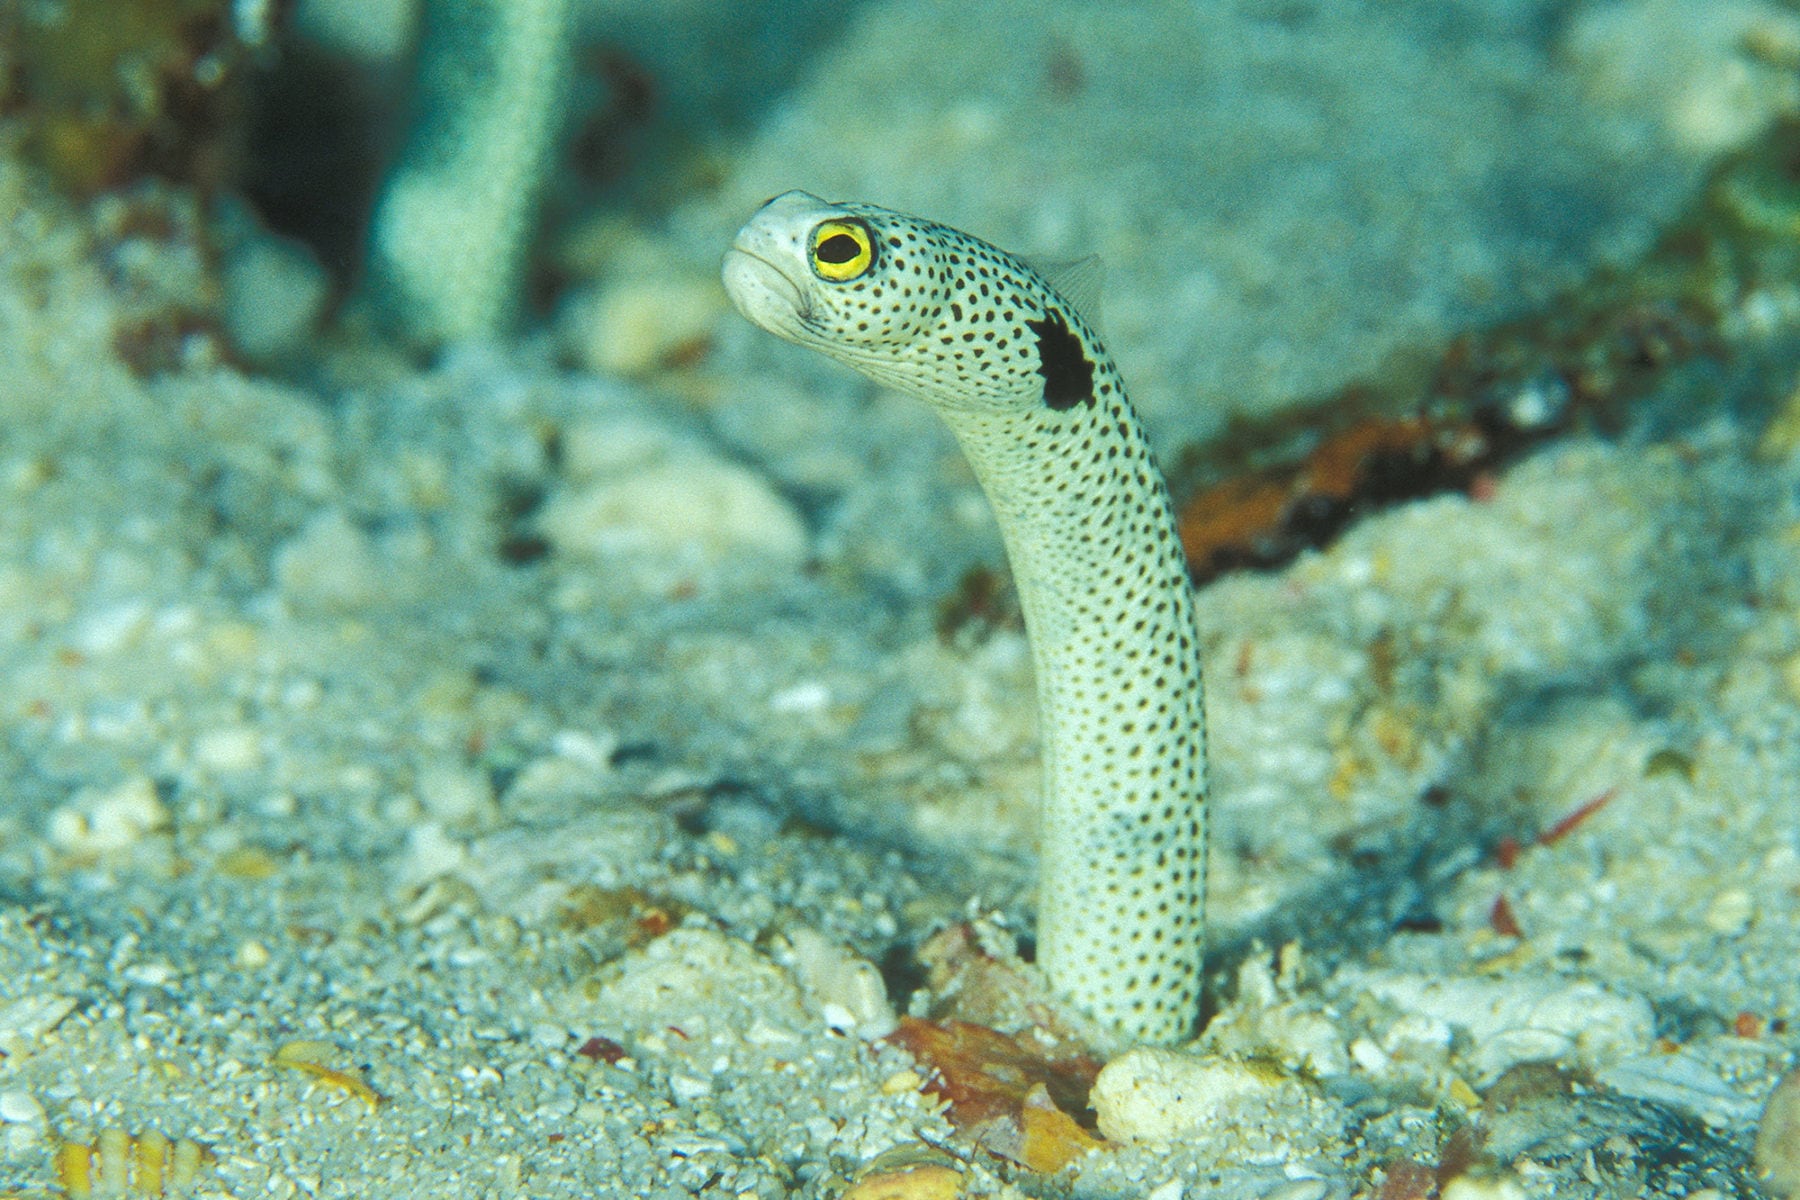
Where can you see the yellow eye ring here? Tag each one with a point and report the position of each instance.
(842, 250)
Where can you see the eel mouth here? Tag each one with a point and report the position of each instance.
(763, 292)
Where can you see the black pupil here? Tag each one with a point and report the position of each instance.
(838, 248)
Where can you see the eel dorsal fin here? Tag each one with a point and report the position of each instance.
(1077, 280)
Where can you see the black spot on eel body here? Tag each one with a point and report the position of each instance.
(1067, 371)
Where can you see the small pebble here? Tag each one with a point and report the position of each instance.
(591, 750)
(847, 989)
(1149, 1095)
(919, 1180)
(616, 442)
(29, 1018)
(275, 293)
(229, 749)
(693, 510)
(112, 629)
(95, 823)
(452, 794)
(1730, 912)
(329, 564)
(1465, 1187)
(686, 1089)
(635, 325)
(901, 1082)
(430, 852)
(19, 1107)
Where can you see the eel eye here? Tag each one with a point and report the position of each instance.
(842, 250)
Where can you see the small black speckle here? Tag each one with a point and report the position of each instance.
(1068, 372)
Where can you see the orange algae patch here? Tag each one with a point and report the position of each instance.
(1404, 1179)
(1003, 1092)
(1049, 1138)
(1247, 517)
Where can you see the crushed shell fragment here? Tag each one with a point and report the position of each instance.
(909, 1172)
(922, 1182)
(119, 1164)
(312, 1057)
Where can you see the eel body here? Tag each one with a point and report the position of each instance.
(1039, 409)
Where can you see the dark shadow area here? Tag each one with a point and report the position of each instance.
(320, 131)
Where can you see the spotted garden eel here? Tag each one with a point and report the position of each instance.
(1040, 412)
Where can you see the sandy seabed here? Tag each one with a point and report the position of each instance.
(498, 779)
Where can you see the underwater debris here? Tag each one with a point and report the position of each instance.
(314, 1059)
(108, 93)
(1006, 1094)
(1711, 288)
(1566, 825)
